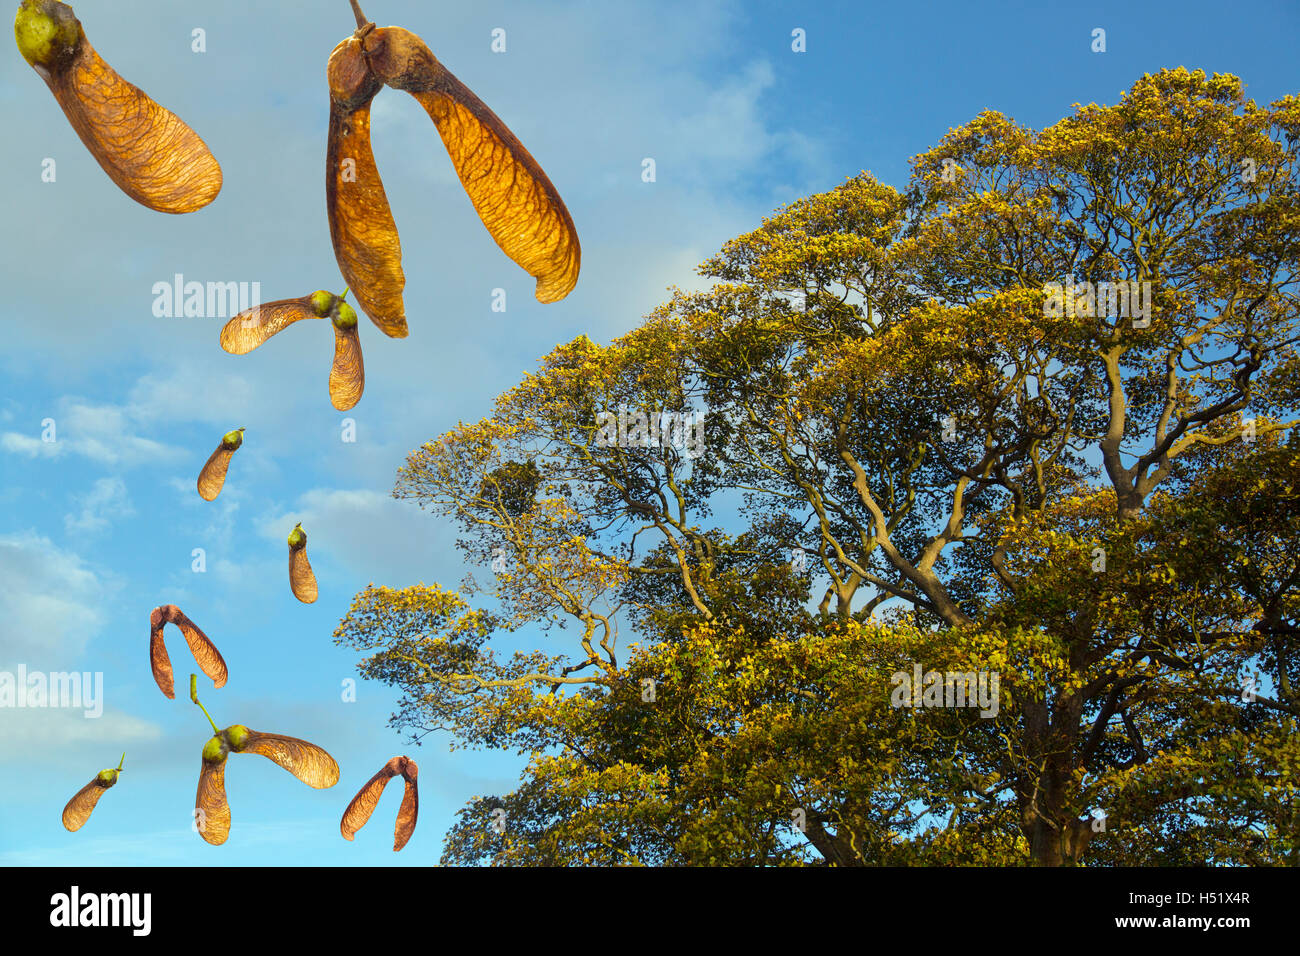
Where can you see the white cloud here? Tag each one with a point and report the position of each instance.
(169, 394)
(29, 446)
(69, 732)
(49, 603)
(105, 434)
(107, 500)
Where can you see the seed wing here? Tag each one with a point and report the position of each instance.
(152, 155)
(213, 476)
(367, 798)
(309, 763)
(406, 814)
(211, 811)
(348, 373)
(158, 659)
(205, 652)
(301, 578)
(514, 198)
(252, 327)
(366, 244)
(79, 808)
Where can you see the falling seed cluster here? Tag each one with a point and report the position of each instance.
(160, 162)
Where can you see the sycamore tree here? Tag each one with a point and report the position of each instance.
(1028, 425)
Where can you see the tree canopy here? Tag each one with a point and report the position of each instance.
(1030, 419)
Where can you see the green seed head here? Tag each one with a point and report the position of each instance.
(107, 778)
(214, 751)
(232, 440)
(346, 317)
(297, 537)
(47, 32)
(237, 737)
(322, 302)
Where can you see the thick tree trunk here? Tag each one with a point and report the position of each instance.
(1056, 837)
(1061, 843)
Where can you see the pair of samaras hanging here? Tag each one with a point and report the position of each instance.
(513, 197)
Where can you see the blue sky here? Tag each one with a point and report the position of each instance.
(98, 527)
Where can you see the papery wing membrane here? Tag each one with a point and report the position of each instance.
(79, 808)
(406, 815)
(348, 373)
(309, 763)
(158, 659)
(152, 155)
(205, 652)
(366, 244)
(250, 328)
(367, 798)
(302, 580)
(211, 811)
(213, 476)
(514, 198)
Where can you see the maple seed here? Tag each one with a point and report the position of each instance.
(213, 476)
(147, 150)
(78, 809)
(205, 652)
(301, 579)
(214, 751)
(367, 798)
(46, 33)
(345, 317)
(252, 327)
(322, 302)
(309, 763)
(520, 207)
(237, 735)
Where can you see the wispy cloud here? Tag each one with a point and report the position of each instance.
(69, 732)
(106, 501)
(105, 434)
(171, 847)
(49, 602)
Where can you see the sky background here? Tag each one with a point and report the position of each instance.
(98, 527)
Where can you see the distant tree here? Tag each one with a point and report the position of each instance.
(982, 474)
